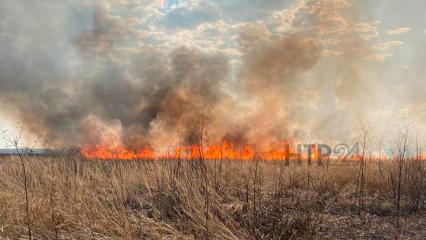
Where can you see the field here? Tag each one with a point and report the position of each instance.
(71, 198)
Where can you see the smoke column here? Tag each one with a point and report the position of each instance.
(73, 74)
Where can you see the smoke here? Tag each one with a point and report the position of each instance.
(306, 82)
(270, 75)
(73, 74)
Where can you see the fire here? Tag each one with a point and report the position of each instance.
(280, 150)
(223, 150)
(119, 152)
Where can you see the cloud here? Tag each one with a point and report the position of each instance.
(386, 46)
(384, 50)
(398, 31)
(249, 10)
(211, 37)
(282, 20)
(190, 15)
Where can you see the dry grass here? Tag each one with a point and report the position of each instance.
(74, 199)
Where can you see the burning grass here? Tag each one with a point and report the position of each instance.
(279, 150)
(71, 198)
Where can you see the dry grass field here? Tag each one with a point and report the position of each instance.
(212, 119)
(72, 198)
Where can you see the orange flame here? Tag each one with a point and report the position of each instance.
(224, 150)
(120, 152)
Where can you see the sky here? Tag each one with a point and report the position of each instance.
(370, 62)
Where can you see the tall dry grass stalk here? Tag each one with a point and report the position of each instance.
(177, 199)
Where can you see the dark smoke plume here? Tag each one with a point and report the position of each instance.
(72, 74)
